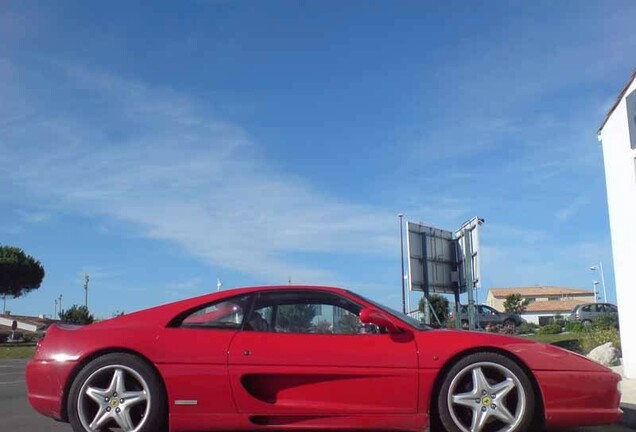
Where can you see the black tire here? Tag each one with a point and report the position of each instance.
(509, 323)
(521, 398)
(586, 323)
(149, 414)
(465, 324)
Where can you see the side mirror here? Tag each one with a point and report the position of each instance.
(374, 316)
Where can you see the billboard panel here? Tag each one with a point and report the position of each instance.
(432, 260)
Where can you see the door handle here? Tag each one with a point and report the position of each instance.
(247, 352)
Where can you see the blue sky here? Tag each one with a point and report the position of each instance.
(158, 146)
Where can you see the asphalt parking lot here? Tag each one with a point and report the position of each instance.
(17, 415)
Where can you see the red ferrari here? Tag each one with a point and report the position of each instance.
(295, 357)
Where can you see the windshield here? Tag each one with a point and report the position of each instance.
(399, 315)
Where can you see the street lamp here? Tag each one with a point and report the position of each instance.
(600, 267)
(400, 216)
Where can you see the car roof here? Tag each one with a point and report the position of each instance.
(161, 314)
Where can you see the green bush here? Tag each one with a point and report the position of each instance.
(553, 328)
(574, 326)
(605, 321)
(450, 323)
(560, 320)
(595, 336)
(30, 337)
(527, 328)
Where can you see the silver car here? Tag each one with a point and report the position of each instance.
(587, 312)
(489, 316)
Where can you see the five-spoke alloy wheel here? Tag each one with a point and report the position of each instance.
(117, 390)
(486, 392)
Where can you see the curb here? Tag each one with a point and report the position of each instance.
(629, 415)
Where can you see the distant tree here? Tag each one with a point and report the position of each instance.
(439, 304)
(19, 272)
(349, 324)
(118, 313)
(77, 315)
(514, 303)
(323, 326)
(296, 318)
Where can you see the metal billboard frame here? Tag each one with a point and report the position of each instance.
(437, 261)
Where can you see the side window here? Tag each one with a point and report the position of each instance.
(227, 313)
(587, 308)
(485, 310)
(306, 312)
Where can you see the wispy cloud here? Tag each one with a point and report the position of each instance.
(512, 264)
(33, 217)
(181, 174)
(566, 212)
(191, 284)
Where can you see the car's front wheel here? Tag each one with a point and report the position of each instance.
(486, 392)
(117, 390)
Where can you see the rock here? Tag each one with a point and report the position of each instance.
(605, 354)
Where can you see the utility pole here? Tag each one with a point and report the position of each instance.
(595, 291)
(61, 310)
(86, 279)
(400, 216)
(55, 316)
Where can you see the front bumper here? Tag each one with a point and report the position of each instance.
(45, 381)
(580, 398)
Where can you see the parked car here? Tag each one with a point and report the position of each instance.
(587, 312)
(294, 358)
(489, 316)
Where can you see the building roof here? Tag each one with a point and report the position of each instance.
(552, 306)
(36, 321)
(539, 291)
(618, 100)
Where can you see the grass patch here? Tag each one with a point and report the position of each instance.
(18, 351)
(568, 341)
(552, 338)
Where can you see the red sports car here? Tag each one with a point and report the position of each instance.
(296, 357)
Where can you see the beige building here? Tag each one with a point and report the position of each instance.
(559, 295)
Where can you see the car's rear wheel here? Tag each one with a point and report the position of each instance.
(586, 323)
(117, 390)
(486, 392)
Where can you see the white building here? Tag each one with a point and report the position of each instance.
(544, 312)
(618, 137)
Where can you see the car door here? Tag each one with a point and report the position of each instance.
(191, 354)
(599, 310)
(313, 356)
(487, 315)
